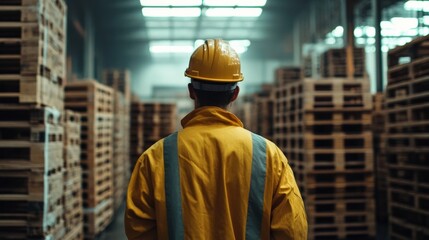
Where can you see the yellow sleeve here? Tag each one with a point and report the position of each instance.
(140, 222)
(288, 219)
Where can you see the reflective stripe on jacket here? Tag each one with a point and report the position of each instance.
(214, 180)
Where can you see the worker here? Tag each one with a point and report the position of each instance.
(214, 179)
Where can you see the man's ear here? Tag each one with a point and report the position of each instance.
(235, 94)
(191, 91)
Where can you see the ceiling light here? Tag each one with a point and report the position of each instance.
(245, 43)
(159, 3)
(370, 31)
(405, 23)
(253, 3)
(233, 12)
(358, 32)
(417, 6)
(338, 31)
(386, 24)
(171, 12)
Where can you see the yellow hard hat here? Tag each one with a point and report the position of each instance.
(215, 61)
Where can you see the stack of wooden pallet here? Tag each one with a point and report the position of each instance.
(284, 77)
(324, 128)
(407, 138)
(94, 102)
(32, 56)
(136, 135)
(159, 120)
(119, 80)
(262, 109)
(31, 176)
(73, 210)
(32, 50)
(334, 63)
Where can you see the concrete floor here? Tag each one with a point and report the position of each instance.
(116, 229)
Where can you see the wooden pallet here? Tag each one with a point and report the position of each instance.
(97, 184)
(96, 219)
(287, 74)
(95, 104)
(28, 74)
(121, 150)
(324, 128)
(30, 199)
(76, 233)
(72, 198)
(333, 63)
(119, 80)
(30, 138)
(159, 120)
(73, 210)
(413, 50)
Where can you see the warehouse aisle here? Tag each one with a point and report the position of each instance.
(116, 229)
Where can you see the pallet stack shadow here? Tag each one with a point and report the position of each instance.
(73, 209)
(137, 132)
(324, 128)
(159, 120)
(119, 80)
(94, 102)
(32, 56)
(407, 138)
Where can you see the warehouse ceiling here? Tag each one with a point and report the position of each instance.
(127, 33)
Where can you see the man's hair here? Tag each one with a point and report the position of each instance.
(208, 97)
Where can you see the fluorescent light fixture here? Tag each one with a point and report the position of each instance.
(386, 24)
(426, 20)
(370, 31)
(171, 12)
(360, 41)
(384, 48)
(171, 47)
(358, 32)
(338, 31)
(423, 31)
(404, 40)
(248, 3)
(417, 6)
(390, 32)
(233, 12)
(330, 40)
(405, 23)
(159, 3)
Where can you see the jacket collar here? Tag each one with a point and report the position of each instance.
(210, 115)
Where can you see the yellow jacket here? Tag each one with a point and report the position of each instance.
(214, 180)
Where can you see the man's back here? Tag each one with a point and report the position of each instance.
(214, 180)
